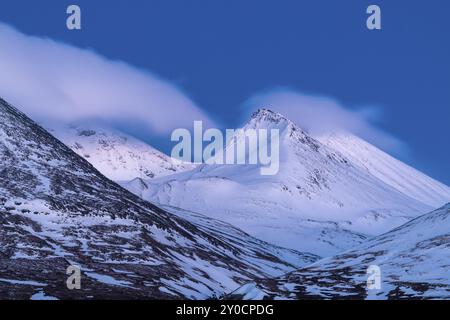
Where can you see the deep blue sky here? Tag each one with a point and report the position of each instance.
(222, 52)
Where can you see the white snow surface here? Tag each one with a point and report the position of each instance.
(329, 195)
(391, 171)
(117, 155)
(413, 259)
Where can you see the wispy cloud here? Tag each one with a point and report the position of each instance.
(56, 82)
(52, 81)
(321, 115)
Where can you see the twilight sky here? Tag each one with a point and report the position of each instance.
(218, 59)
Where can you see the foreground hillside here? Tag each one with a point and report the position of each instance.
(414, 261)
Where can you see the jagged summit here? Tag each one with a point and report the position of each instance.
(268, 118)
(267, 114)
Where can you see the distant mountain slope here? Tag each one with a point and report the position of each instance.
(414, 260)
(391, 171)
(117, 155)
(320, 201)
(57, 210)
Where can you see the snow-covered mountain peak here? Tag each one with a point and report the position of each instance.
(322, 197)
(290, 133)
(267, 115)
(267, 119)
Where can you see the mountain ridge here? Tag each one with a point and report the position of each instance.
(318, 193)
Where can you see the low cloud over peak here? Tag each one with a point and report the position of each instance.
(58, 83)
(322, 115)
(52, 81)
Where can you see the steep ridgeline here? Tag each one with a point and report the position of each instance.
(391, 171)
(57, 210)
(117, 155)
(322, 200)
(413, 260)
